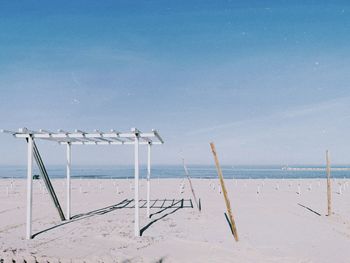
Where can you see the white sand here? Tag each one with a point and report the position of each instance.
(272, 226)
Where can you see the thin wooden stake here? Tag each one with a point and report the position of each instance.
(329, 187)
(190, 182)
(227, 201)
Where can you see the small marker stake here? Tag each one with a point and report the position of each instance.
(329, 187)
(190, 183)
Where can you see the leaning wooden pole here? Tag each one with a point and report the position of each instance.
(227, 201)
(191, 186)
(329, 186)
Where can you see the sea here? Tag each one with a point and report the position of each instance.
(175, 171)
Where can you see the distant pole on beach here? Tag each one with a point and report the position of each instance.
(329, 187)
(227, 201)
(191, 186)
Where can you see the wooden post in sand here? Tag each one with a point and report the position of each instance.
(227, 201)
(329, 187)
(191, 186)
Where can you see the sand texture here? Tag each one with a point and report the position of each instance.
(278, 224)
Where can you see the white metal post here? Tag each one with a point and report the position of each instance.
(137, 223)
(148, 178)
(29, 188)
(69, 162)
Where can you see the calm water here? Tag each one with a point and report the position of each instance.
(171, 172)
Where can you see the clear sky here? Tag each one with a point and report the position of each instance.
(267, 81)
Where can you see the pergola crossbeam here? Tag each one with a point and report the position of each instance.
(95, 137)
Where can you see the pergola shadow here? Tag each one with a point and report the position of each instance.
(82, 216)
(176, 205)
(127, 204)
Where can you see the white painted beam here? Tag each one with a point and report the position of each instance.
(29, 188)
(95, 137)
(136, 189)
(148, 179)
(147, 135)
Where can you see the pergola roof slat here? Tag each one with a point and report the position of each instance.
(95, 137)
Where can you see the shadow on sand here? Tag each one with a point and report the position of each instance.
(161, 260)
(179, 204)
(128, 204)
(229, 223)
(308, 208)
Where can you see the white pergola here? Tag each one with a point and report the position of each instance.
(134, 137)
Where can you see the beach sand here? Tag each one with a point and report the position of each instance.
(275, 225)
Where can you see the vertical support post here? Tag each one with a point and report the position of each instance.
(137, 223)
(148, 179)
(329, 187)
(69, 162)
(29, 188)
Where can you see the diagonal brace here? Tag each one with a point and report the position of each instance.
(46, 179)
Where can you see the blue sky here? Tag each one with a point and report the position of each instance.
(267, 81)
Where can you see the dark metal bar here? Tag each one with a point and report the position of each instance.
(47, 181)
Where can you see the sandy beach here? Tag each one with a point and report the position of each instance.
(278, 224)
